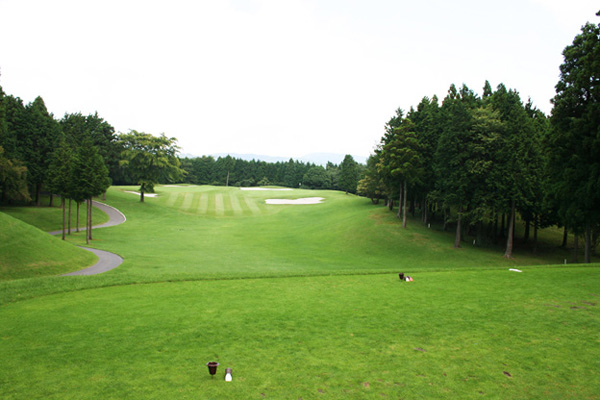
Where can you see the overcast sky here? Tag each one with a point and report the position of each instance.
(276, 77)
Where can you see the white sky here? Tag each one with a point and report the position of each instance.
(276, 77)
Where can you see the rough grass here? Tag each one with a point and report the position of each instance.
(302, 302)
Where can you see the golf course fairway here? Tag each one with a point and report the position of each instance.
(301, 301)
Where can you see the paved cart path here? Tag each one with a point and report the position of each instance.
(106, 260)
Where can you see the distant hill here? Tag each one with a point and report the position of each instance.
(314, 158)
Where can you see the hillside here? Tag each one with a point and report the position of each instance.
(26, 251)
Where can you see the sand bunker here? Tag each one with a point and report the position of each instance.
(145, 194)
(261, 188)
(306, 200)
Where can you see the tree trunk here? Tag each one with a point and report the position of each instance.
(38, 194)
(77, 227)
(425, 210)
(104, 196)
(479, 233)
(64, 216)
(526, 234)
(399, 214)
(142, 190)
(51, 202)
(458, 229)
(227, 181)
(535, 233)
(511, 230)
(503, 227)
(390, 204)
(90, 226)
(565, 237)
(69, 230)
(495, 228)
(588, 242)
(575, 247)
(404, 207)
(445, 219)
(87, 221)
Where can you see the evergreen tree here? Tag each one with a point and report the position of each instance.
(90, 178)
(60, 175)
(37, 142)
(575, 136)
(516, 157)
(13, 180)
(371, 185)
(348, 174)
(427, 120)
(316, 178)
(454, 182)
(401, 160)
(14, 127)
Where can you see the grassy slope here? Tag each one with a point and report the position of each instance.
(25, 252)
(190, 233)
(50, 218)
(195, 232)
(311, 337)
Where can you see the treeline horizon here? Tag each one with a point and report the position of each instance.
(231, 171)
(33, 143)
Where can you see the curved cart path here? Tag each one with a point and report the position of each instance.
(106, 260)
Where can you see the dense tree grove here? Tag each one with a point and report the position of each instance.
(229, 171)
(482, 162)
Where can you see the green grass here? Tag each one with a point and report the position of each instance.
(317, 337)
(26, 252)
(168, 236)
(50, 218)
(302, 302)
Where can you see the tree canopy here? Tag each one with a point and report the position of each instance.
(574, 141)
(150, 159)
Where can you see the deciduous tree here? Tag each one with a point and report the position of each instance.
(150, 159)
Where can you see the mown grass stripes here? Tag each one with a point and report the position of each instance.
(187, 201)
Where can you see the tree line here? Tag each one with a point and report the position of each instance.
(478, 162)
(77, 157)
(230, 171)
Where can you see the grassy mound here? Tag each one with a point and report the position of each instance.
(26, 252)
